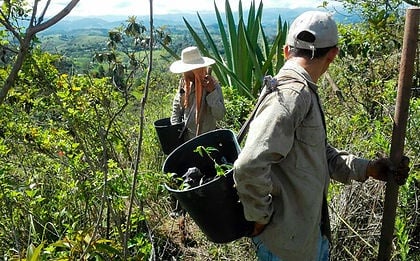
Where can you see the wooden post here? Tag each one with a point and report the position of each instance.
(400, 123)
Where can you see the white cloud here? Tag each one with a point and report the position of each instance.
(141, 7)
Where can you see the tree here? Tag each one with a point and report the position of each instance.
(11, 14)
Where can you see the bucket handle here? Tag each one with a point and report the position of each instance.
(186, 121)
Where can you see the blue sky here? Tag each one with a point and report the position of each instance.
(141, 7)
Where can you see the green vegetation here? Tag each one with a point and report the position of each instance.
(221, 168)
(240, 39)
(80, 163)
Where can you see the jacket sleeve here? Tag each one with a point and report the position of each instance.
(216, 103)
(177, 108)
(345, 167)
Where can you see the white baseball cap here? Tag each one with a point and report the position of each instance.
(320, 24)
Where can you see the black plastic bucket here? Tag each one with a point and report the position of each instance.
(214, 206)
(168, 134)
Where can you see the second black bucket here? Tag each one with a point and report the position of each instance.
(214, 206)
(168, 134)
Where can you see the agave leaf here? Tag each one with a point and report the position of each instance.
(282, 31)
(215, 52)
(267, 66)
(209, 39)
(251, 16)
(277, 48)
(242, 64)
(248, 54)
(224, 37)
(197, 39)
(235, 78)
(253, 59)
(170, 51)
(232, 35)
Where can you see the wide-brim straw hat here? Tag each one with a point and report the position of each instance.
(190, 59)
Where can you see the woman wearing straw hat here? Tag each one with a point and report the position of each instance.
(199, 101)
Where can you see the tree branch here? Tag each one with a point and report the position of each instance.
(26, 41)
(334, 86)
(5, 22)
(55, 19)
(140, 138)
(41, 17)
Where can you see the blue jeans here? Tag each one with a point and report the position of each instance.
(264, 254)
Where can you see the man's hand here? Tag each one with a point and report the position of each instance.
(380, 168)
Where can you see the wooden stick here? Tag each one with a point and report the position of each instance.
(334, 87)
(400, 123)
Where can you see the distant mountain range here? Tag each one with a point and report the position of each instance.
(270, 16)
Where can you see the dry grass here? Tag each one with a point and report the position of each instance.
(356, 218)
(179, 238)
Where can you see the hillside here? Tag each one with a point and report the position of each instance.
(81, 162)
(81, 36)
(270, 16)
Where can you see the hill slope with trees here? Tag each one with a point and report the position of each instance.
(81, 166)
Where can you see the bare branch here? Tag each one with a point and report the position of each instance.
(41, 17)
(55, 19)
(334, 86)
(140, 139)
(33, 16)
(5, 22)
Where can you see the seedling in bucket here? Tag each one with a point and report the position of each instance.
(221, 169)
(214, 206)
(195, 177)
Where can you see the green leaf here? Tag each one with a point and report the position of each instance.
(36, 254)
(106, 248)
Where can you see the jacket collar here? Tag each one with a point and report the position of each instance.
(293, 66)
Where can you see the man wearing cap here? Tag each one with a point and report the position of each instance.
(283, 172)
(199, 100)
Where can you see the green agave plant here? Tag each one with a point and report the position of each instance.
(247, 54)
